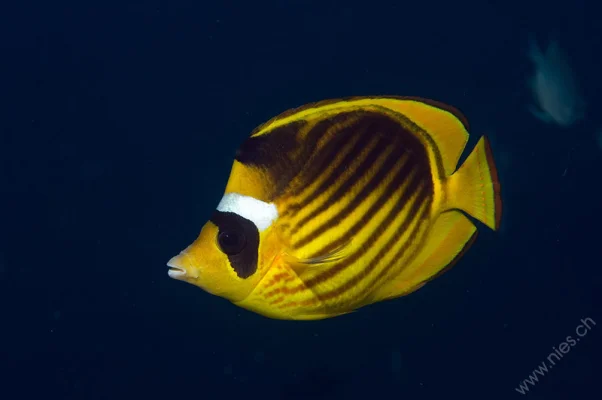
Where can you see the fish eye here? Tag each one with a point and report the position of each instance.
(231, 242)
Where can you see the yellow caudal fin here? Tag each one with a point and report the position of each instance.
(475, 189)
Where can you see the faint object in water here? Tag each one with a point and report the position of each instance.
(599, 137)
(554, 86)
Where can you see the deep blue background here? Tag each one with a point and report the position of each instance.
(118, 124)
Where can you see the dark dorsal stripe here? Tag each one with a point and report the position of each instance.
(333, 172)
(285, 151)
(245, 262)
(389, 135)
(367, 192)
(273, 153)
(361, 170)
(401, 177)
(339, 144)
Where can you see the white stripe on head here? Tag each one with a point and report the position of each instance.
(259, 212)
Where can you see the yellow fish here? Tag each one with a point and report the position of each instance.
(343, 203)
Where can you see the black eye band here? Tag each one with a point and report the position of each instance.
(238, 238)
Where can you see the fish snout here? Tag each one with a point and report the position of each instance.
(180, 267)
(175, 271)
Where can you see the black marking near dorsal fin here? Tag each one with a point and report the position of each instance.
(270, 149)
(286, 151)
(274, 153)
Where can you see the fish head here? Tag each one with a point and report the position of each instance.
(233, 251)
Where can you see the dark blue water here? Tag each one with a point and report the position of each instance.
(118, 125)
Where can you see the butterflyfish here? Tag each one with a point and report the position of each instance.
(343, 203)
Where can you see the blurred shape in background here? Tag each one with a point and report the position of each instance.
(554, 86)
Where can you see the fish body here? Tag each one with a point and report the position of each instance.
(343, 203)
(554, 86)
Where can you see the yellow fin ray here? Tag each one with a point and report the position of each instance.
(450, 236)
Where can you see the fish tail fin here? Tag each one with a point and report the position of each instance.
(475, 189)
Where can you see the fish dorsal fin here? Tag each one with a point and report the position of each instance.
(446, 127)
(301, 264)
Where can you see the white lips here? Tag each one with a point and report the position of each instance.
(175, 271)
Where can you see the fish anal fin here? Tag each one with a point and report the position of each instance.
(451, 235)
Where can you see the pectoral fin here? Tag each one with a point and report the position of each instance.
(301, 264)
